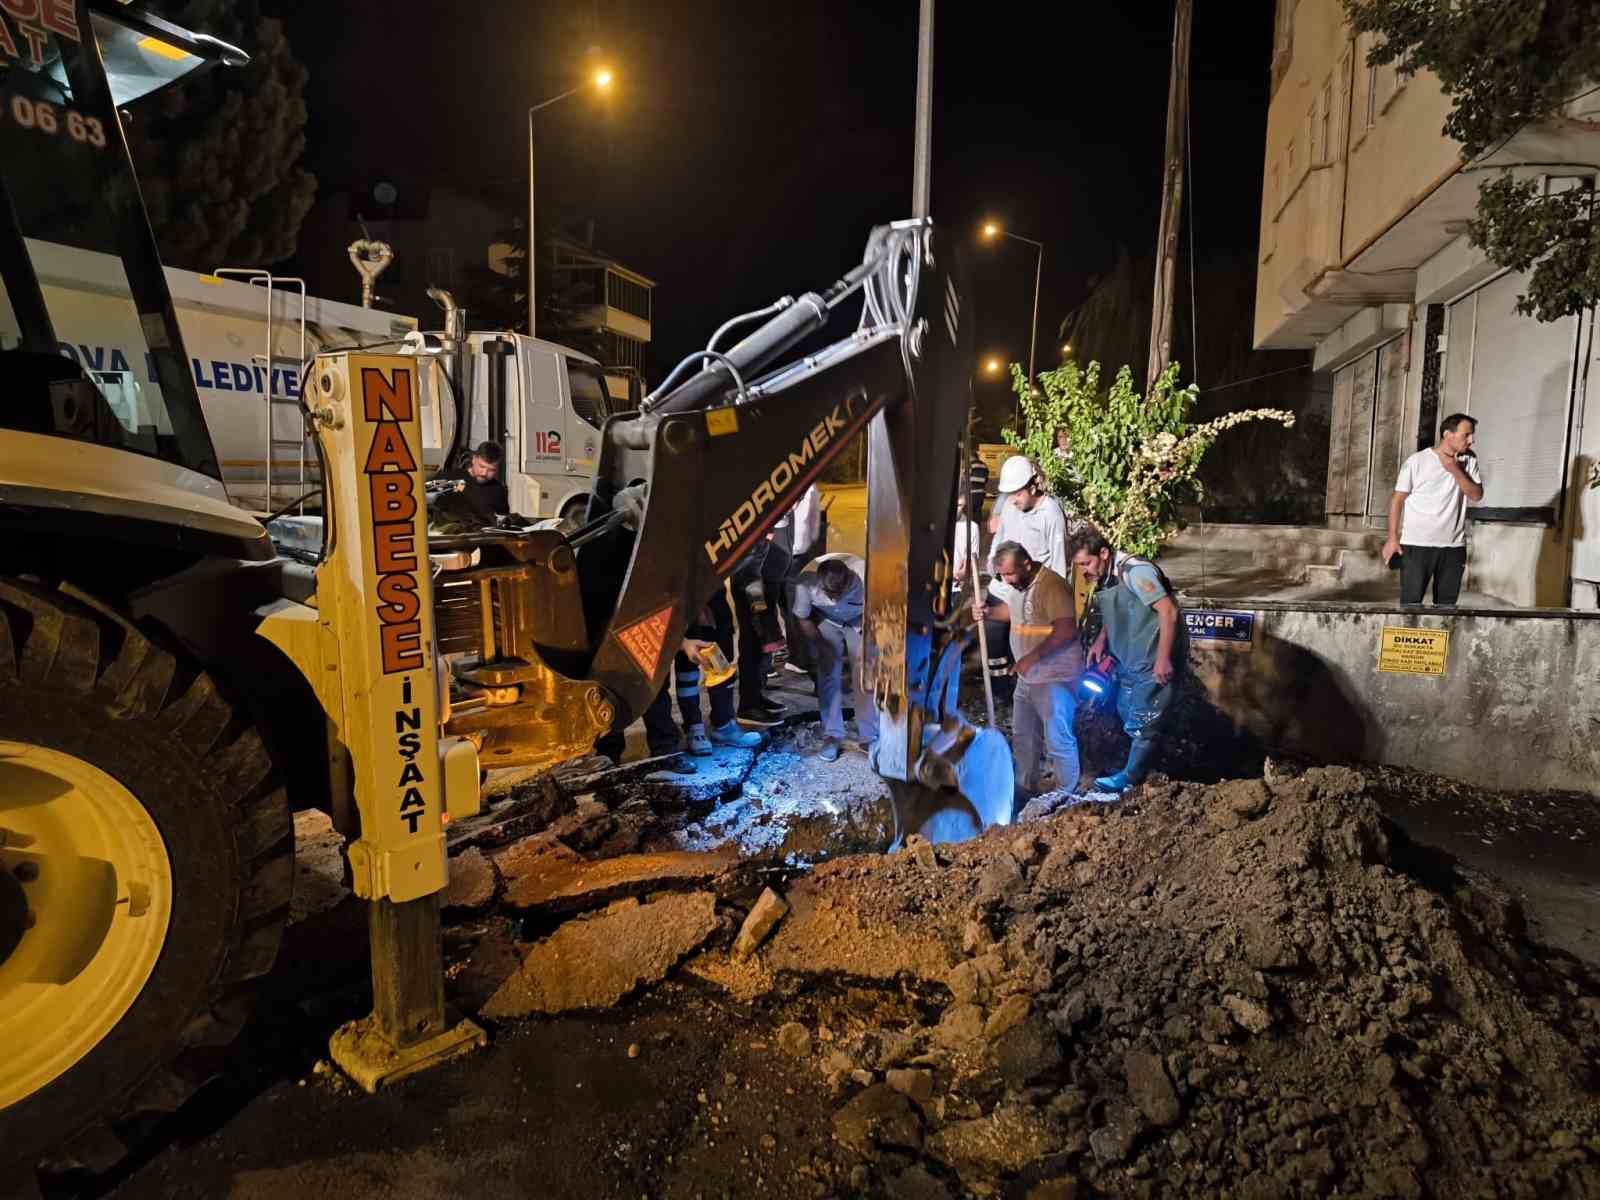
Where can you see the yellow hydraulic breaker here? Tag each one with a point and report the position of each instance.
(369, 647)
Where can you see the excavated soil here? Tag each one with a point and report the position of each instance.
(1254, 988)
(1251, 988)
(1257, 988)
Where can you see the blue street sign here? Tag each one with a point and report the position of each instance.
(1217, 625)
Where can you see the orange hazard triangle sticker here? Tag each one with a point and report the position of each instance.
(642, 640)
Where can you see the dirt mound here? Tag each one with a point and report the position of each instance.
(1256, 988)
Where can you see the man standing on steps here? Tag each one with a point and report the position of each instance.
(1044, 640)
(1428, 513)
(1140, 629)
(829, 600)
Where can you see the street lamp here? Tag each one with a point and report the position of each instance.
(600, 80)
(992, 230)
(991, 366)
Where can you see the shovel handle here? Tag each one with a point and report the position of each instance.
(983, 638)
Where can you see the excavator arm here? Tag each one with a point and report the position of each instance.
(720, 479)
(732, 449)
(557, 638)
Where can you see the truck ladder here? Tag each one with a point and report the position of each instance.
(276, 398)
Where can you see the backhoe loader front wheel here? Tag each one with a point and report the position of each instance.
(147, 857)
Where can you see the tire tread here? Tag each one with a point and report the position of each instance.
(66, 640)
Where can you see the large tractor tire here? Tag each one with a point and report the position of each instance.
(146, 862)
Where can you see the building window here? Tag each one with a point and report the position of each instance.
(1432, 375)
(1283, 40)
(621, 350)
(1324, 133)
(1385, 87)
(1366, 112)
(1341, 97)
(1514, 375)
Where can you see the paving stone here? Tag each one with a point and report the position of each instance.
(595, 961)
(762, 920)
(472, 882)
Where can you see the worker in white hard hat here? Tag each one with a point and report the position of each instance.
(1025, 513)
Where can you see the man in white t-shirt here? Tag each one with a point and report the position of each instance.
(1428, 513)
(1026, 513)
(964, 547)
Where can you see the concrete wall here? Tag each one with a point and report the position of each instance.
(1518, 705)
(1521, 564)
(1395, 160)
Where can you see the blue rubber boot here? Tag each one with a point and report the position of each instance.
(1139, 755)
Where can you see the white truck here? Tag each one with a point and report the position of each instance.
(547, 413)
(556, 398)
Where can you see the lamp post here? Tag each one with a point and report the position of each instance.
(600, 79)
(992, 230)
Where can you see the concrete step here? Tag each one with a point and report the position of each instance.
(1261, 537)
(1322, 575)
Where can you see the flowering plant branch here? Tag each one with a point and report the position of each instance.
(1117, 459)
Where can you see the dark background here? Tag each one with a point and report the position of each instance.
(747, 149)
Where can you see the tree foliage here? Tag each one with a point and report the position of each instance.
(219, 155)
(1505, 64)
(1115, 458)
(1263, 472)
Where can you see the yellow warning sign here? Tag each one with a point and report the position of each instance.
(1406, 651)
(722, 420)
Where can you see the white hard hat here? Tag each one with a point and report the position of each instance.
(1015, 474)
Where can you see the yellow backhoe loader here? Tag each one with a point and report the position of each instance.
(177, 675)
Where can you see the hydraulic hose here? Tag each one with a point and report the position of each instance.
(790, 327)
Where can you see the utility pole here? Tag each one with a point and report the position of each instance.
(1171, 196)
(921, 168)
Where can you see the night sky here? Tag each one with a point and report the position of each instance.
(748, 148)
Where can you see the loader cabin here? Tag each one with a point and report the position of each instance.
(130, 441)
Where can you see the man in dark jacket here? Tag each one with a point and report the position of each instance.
(485, 492)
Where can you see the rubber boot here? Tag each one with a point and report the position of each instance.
(1138, 766)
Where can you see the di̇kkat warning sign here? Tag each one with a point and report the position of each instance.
(1406, 651)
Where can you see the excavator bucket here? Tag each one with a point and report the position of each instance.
(964, 784)
(949, 779)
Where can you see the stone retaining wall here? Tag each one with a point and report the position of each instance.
(1517, 704)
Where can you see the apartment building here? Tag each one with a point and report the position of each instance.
(613, 310)
(1364, 261)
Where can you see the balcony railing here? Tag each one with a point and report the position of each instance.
(595, 286)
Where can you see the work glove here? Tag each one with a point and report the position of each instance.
(630, 502)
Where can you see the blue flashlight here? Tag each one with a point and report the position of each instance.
(1096, 686)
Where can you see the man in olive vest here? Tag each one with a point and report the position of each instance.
(1140, 629)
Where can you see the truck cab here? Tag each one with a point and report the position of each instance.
(546, 407)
